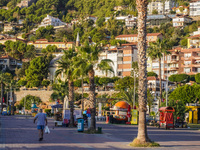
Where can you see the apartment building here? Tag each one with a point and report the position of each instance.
(133, 38)
(181, 21)
(49, 20)
(9, 62)
(191, 61)
(157, 20)
(173, 62)
(158, 5)
(194, 41)
(43, 43)
(181, 10)
(194, 8)
(153, 85)
(122, 58)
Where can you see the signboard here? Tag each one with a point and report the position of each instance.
(77, 113)
(134, 118)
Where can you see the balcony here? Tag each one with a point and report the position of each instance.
(173, 68)
(120, 55)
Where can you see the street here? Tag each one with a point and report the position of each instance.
(19, 132)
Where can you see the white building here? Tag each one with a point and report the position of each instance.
(195, 8)
(122, 58)
(181, 21)
(49, 20)
(130, 21)
(158, 5)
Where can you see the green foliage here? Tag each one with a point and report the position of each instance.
(179, 107)
(150, 74)
(125, 83)
(29, 99)
(183, 42)
(192, 78)
(104, 80)
(37, 71)
(22, 82)
(154, 12)
(78, 83)
(47, 111)
(45, 83)
(181, 78)
(43, 32)
(197, 77)
(186, 93)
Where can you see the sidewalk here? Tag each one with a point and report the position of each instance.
(18, 132)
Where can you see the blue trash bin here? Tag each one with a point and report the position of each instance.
(80, 126)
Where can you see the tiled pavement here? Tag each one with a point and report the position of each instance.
(18, 132)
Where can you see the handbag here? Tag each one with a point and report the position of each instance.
(47, 131)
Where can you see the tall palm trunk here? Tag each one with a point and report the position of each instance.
(92, 100)
(142, 136)
(160, 83)
(1, 97)
(71, 100)
(82, 95)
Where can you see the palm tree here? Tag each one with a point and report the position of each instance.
(105, 67)
(89, 57)
(80, 71)
(65, 66)
(156, 51)
(142, 137)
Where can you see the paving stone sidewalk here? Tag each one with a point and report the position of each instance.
(19, 132)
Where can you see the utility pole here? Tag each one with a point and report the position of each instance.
(167, 87)
(134, 91)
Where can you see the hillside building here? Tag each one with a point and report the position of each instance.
(158, 5)
(181, 21)
(49, 20)
(133, 38)
(194, 8)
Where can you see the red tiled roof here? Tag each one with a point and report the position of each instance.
(194, 1)
(42, 40)
(6, 57)
(154, 78)
(113, 49)
(195, 36)
(135, 35)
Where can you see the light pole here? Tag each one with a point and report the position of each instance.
(24, 105)
(134, 91)
(167, 87)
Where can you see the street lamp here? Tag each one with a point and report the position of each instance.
(167, 88)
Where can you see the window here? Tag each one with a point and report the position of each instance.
(187, 55)
(40, 46)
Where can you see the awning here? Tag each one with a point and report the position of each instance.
(57, 106)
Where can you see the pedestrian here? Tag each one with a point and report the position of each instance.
(41, 118)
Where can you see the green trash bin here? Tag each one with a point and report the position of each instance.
(99, 129)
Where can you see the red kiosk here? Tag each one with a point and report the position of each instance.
(166, 117)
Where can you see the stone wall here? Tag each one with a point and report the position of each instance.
(43, 95)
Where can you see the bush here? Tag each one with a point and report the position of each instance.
(47, 111)
(22, 82)
(45, 83)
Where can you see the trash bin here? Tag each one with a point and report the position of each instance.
(99, 129)
(80, 125)
(89, 122)
(111, 119)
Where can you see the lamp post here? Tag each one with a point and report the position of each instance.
(134, 91)
(167, 88)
